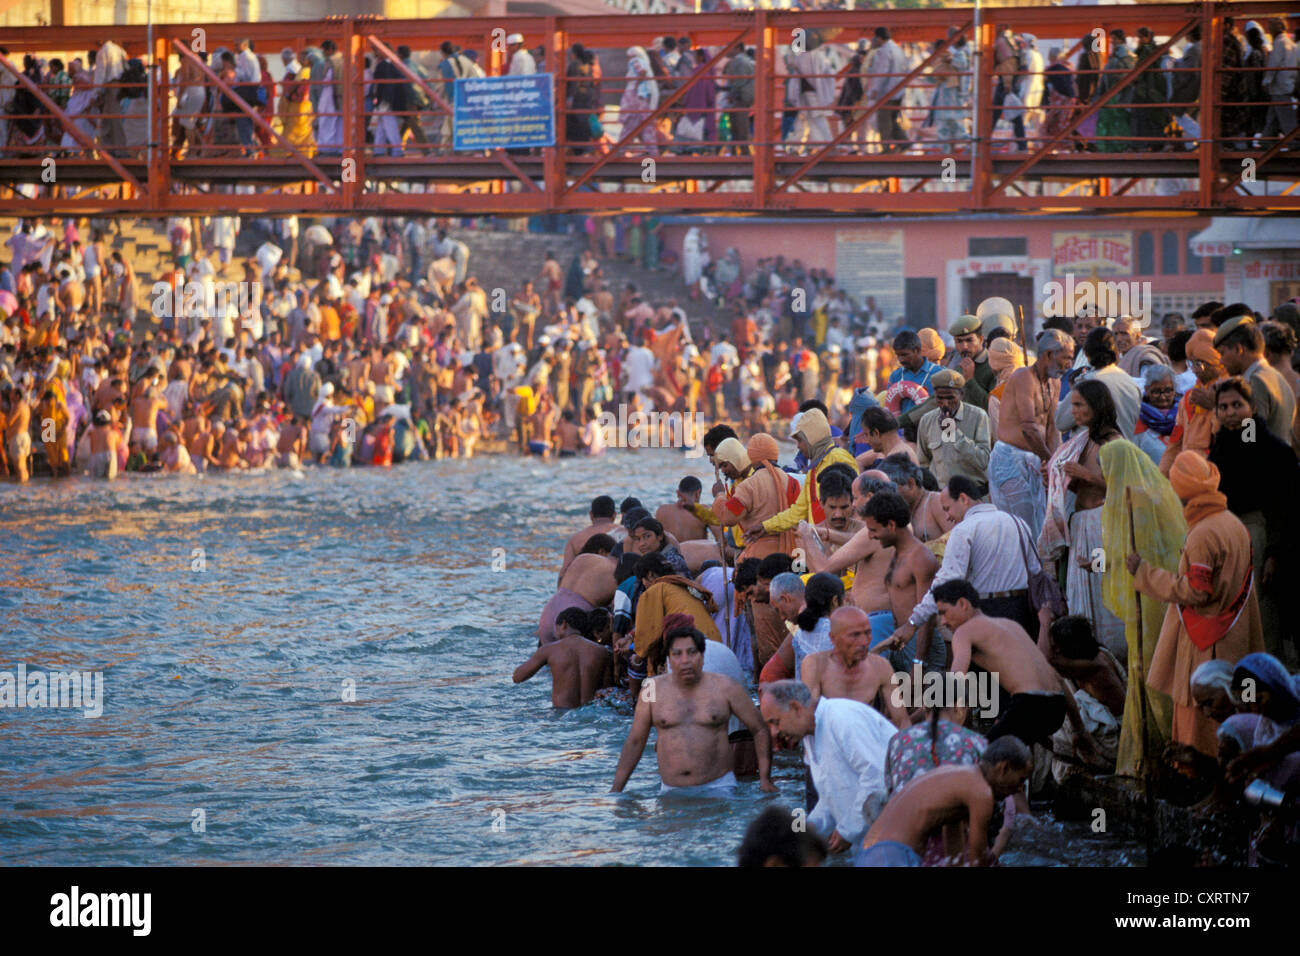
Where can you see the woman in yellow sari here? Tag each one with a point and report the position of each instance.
(295, 104)
(1158, 529)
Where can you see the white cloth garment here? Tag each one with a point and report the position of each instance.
(846, 754)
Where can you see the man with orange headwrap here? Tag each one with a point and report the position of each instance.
(765, 492)
(1213, 611)
(812, 433)
(1196, 422)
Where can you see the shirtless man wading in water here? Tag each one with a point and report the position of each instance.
(690, 708)
(946, 796)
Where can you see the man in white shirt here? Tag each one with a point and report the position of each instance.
(1101, 354)
(638, 371)
(991, 549)
(845, 743)
(521, 61)
(248, 76)
(812, 86)
(887, 58)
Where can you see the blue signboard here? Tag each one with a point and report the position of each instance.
(504, 112)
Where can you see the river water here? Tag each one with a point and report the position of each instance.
(231, 614)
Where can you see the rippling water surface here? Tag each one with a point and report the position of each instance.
(224, 686)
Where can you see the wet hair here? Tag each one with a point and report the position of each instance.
(602, 507)
(599, 619)
(1247, 335)
(634, 516)
(819, 595)
(576, 618)
(877, 419)
(653, 563)
(900, 468)
(811, 403)
(950, 592)
(959, 485)
(1009, 750)
(598, 543)
(716, 435)
(650, 524)
(1235, 384)
(907, 339)
(772, 834)
(1073, 637)
(689, 485)
(888, 507)
(1104, 417)
(1099, 347)
(928, 481)
(747, 572)
(833, 483)
(774, 565)
(694, 633)
(628, 504)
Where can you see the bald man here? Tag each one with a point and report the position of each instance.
(849, 669)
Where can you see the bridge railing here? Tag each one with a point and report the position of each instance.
(952, 118)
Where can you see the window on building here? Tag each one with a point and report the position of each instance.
(1194, 267)
(1169, 253)
(1216, 264)
(998, 246)
(920, 299)
(1146, 254)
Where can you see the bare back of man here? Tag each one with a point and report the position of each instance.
(944, 795)
(579, 668)
(1001, 646)
(682, 524)
(578, 540)
(1025, 414)
(591, 576)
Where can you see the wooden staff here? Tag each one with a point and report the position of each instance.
(1142, 686)
(1024, 346)
(719, 532)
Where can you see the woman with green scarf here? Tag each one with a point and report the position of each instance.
(1115, 118)
(1143, 514)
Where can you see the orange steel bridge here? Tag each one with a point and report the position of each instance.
(59, 164)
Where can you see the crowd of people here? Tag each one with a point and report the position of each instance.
(824, 88)
(371, 341)
(1103, 523)
(1103, 526)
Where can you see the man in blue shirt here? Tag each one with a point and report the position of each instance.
(913, 366)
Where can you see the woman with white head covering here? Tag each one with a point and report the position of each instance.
(640, 97)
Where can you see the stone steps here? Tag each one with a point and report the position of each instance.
(498, 259)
